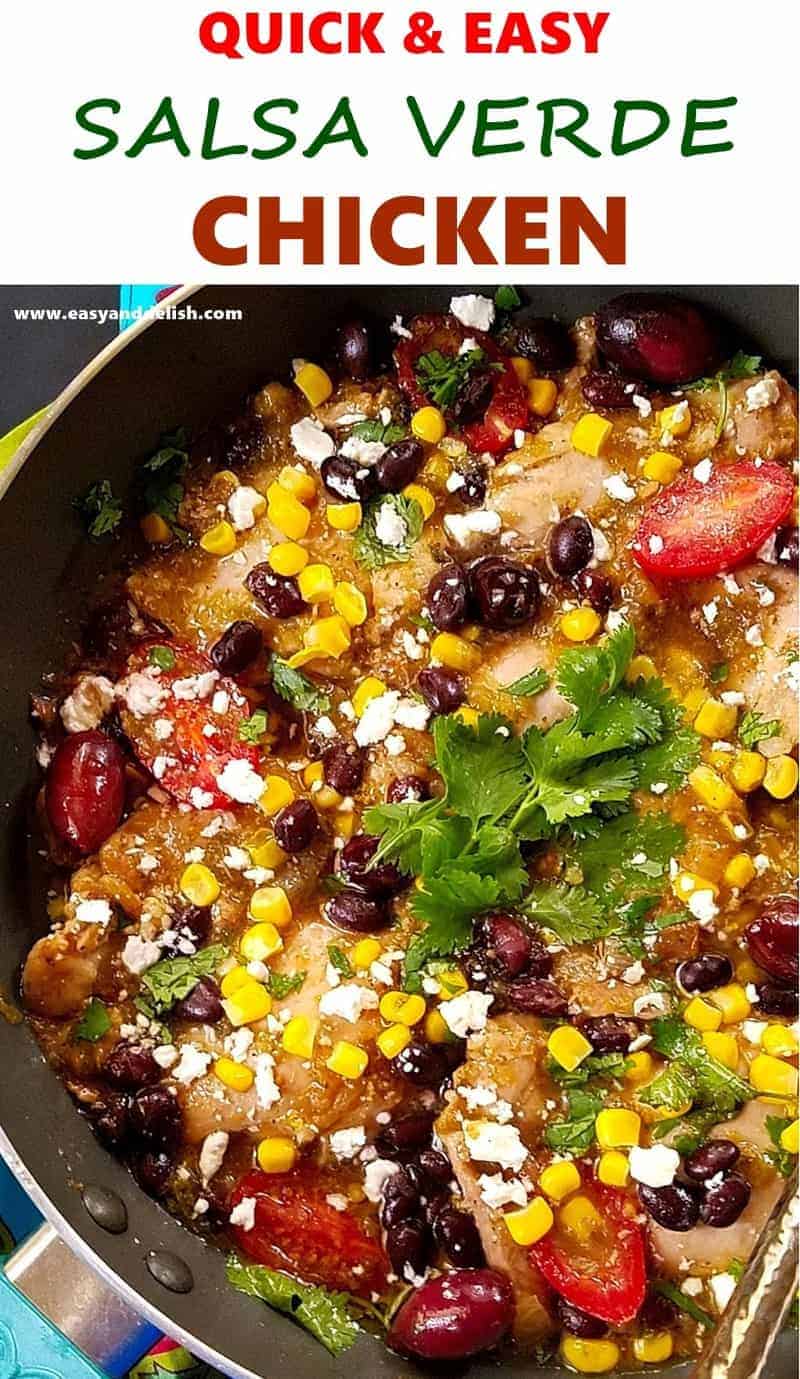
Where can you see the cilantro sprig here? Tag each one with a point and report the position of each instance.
(740, 366)
(575, 1133)
(322, 1313)
(692, 1074)
(172, 979)
(95, 1021)
(296, 688)
(377, 430)
(371, 552)
(159, 479)
(99, 510)
(441, 376)
(754, 728)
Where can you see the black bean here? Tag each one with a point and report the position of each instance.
(156, 1119)
(608, 1033)
(153, 1172)
(507, 945)
(543, 340)
(110, 1119)
(131, 1066)
(353, 865)
(537, 997)
(295, 826)
(400, 1200)
(237, 648)
(657, 1313)
(713, 1157)
(353, 350)
(705, 973)
(472, 398)
(443, 690)
(456, 1233)
(190, 926)
(787, 546)
(435, 1166)
(772, 938)
(774, 999)
(203, 1005)
(448, 598)
(346, 479)
(506, 593)
(724, 1202)
(343, 766)
(675, 1207)
(577, 1322)
(408, 1245)
(356, 912)
(278, 595)
(399, 465)
(596, 590)
(604, 388)
(570, 546)
(426, 1065)
(404, 789)
(472, 492)
(401, 1139)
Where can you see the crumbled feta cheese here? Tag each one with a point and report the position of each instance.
(212, 1153)
(93, 912)
(195, 686)
(391, 527)
(465, 527)
(244, 505)
(472, 311)
(138, 954)
(238, 1043)
(498, 1192)
(88, 703)
(701, 904)
(239, 781)
(200, 799)
(395, 744)
(633, 974)
(397, 328)
(723, 1287)
(220, 702)
(753, 1030)
(412, 647)
(166, 1055)
(376, 1175)
(732, 697)
(466, 1012)
(142, 693)
(267, 1089)
(348, 1002)
(702, 471)
(377, 720)
(326, 727)
(454, 481)
(617, 487)
(337, 1200)
(488, 1142)
(763, 393)
(244, 1214)
(475, 1097)
(649, 1004)
(345, 1144)
(163, 728)
(655, 1166)
(364, 452)
(692, 1287)
(193, 1063)
(411, 713)
(643, 405)
(311, 441)
(753, 635)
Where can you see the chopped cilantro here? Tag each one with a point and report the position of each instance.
(93, 1024)
(282, 984)
(318, 1311)
(754, 729)
(440, 376)
(527, 685)
(339, 960)
(682, 1301)
(595, 1067)
(507, 298)
(172, 979)
(162, 656)
(719, 672)
(254, 727)
(370, 551)
(159, 482)
(99, 510)
(296, 688)
(376, 430)
(740, 366)
(575, 1134)
(714, 1085)
(671, 1089)
(570, 911)
(688, 1131)
(779, 1157)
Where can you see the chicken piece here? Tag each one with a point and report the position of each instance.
(523, 655)
(61, 969)
(710, 1249)
(399, 589)
(767, 430)
(509, 1057)
(556, 480)
(313, 1100)
(578, 972)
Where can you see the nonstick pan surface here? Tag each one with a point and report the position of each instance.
(159, 376)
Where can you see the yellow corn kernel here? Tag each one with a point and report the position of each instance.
(694, 701)
(265, 851)
(530, 1223)
(348, 1060)
(437, 470)
(542, 394)
(747, 771)
(436, 1030)
(298, 482)
(790, 1138)
(287, 558)
(640, 1068)
(640, 668)
(589, 1357)
(466, 714)
(523, 368)
(350, 602)
(780, 777)
(617, 1128)
(451, 983)
(327, 798)
(676, 420)
(393, 1040)
(418, 493)
(270, 905)
(316, 583)
(370, 688)
(155, 530)
(732, 1003)
(287, 513)
(344, 516)
(723, 1047)
(580, 1217)
(314, 383)
(276, 1154)
(277, 794)
(701, 1015)
(580, 624)
(56, 907)
(429, 425)
(740, 871)
(199, 884)
(237, 1076)
(715, 719)
(234, 980)
(313, 774)
(688, 883)
(653, 1348)
(568, 1047)
(557, 1181)
(219, 540)
(299, 1036)
(661, 467)
(773, 1076)
(454, 652)
(714, 792)
(328, 636)
(590, 434)
(613, 1168)
(345, 823)
(260, 942)
(250, 1003)
(781, 1041)
(365, 953)
(401, 1007)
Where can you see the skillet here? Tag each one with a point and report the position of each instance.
(157, 376)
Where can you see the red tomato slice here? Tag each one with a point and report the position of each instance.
(298, 1231)
(693, 529)
(507, 412)
(189, 759)
(609, 1282)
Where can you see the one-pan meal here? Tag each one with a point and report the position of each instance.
(421, 806)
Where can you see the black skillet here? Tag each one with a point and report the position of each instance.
(156, 378)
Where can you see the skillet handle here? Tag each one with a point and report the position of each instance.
(60, 1318)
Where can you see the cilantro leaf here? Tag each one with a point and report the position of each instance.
(719, 672)
(377, 430)
(715, 1085)
(527, 685)
(691, 1130)
(158, 482)
(507, 298)
(162, 656)
(754, 729)
(440, 376)
(682, 1301)
(575, 1134)
(587, 673)
(296, 688)
(570, 911)
(370, 551)
(740, 366)
(672, 1088)
(339, 960)
(596, 1067)
(483, 768)
(780, 1158)
(93, 1024)
(172, 979)
(621, 858)
(252, 729)
(448, 903)
(322, 1313)
(282, 984)
(99, 510)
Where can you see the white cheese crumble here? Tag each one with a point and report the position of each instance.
(391, 527)
(348, 1002)
(326, 727)
(617, 487)
(710, 611)
(142, 693)
(244, 1214)
(237, 1045)
(397, 328)
(311, 441)
(211, 1154)
(88, 703)
(244, 505)
(466, 1012)
(410, 713)
(239, 781)
(465, 527)
(139, 953)
(267, 1089)
(701, 904)
(377, 720)
(345, 1144)
(200, 799)
(163, 728)
(497, 1192)
(702, 471)
(655, 1166)
(763, 393)
(166, 1056)
(376, 1175)
(193, 1064)
(488, 1142)
(723, 1287)
(195, 686)
(474, 312)
(93, 912)
(363, 451)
